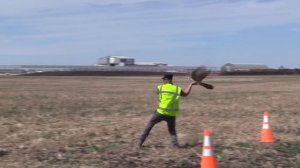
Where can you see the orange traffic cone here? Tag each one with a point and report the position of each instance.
(266, 133)
(208, 160)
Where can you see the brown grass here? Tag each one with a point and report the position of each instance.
(87, 122)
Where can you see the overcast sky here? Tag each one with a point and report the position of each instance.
(177, 32)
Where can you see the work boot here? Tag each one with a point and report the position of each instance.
(174, 141)
(176, 146)
(137, 147)
(139, 143)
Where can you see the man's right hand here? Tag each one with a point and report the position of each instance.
(194, 83)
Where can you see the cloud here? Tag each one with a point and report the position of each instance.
(18, 7)
(215, 15)
(295, 29)
(84, 26)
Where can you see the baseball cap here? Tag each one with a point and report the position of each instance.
(168, 76)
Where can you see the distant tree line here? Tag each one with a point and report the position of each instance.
(264, 72)
(95, 73)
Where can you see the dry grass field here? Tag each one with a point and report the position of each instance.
(93, 122)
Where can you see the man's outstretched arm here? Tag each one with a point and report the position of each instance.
(188, 89)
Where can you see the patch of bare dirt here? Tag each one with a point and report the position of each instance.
(89, 122)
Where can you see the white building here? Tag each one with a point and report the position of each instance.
(242, 67)
(116, 61)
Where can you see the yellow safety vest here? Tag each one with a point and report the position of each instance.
(169, 96)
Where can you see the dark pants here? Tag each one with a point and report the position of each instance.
(156, 118)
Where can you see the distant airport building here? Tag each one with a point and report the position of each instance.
(126, 61)
(104, 64)
(11, 72)
(150, 64)
(229, 67)
(116, 61)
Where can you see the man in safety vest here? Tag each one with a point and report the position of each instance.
(168, 108)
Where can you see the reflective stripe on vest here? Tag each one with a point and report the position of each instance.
(168, 109)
